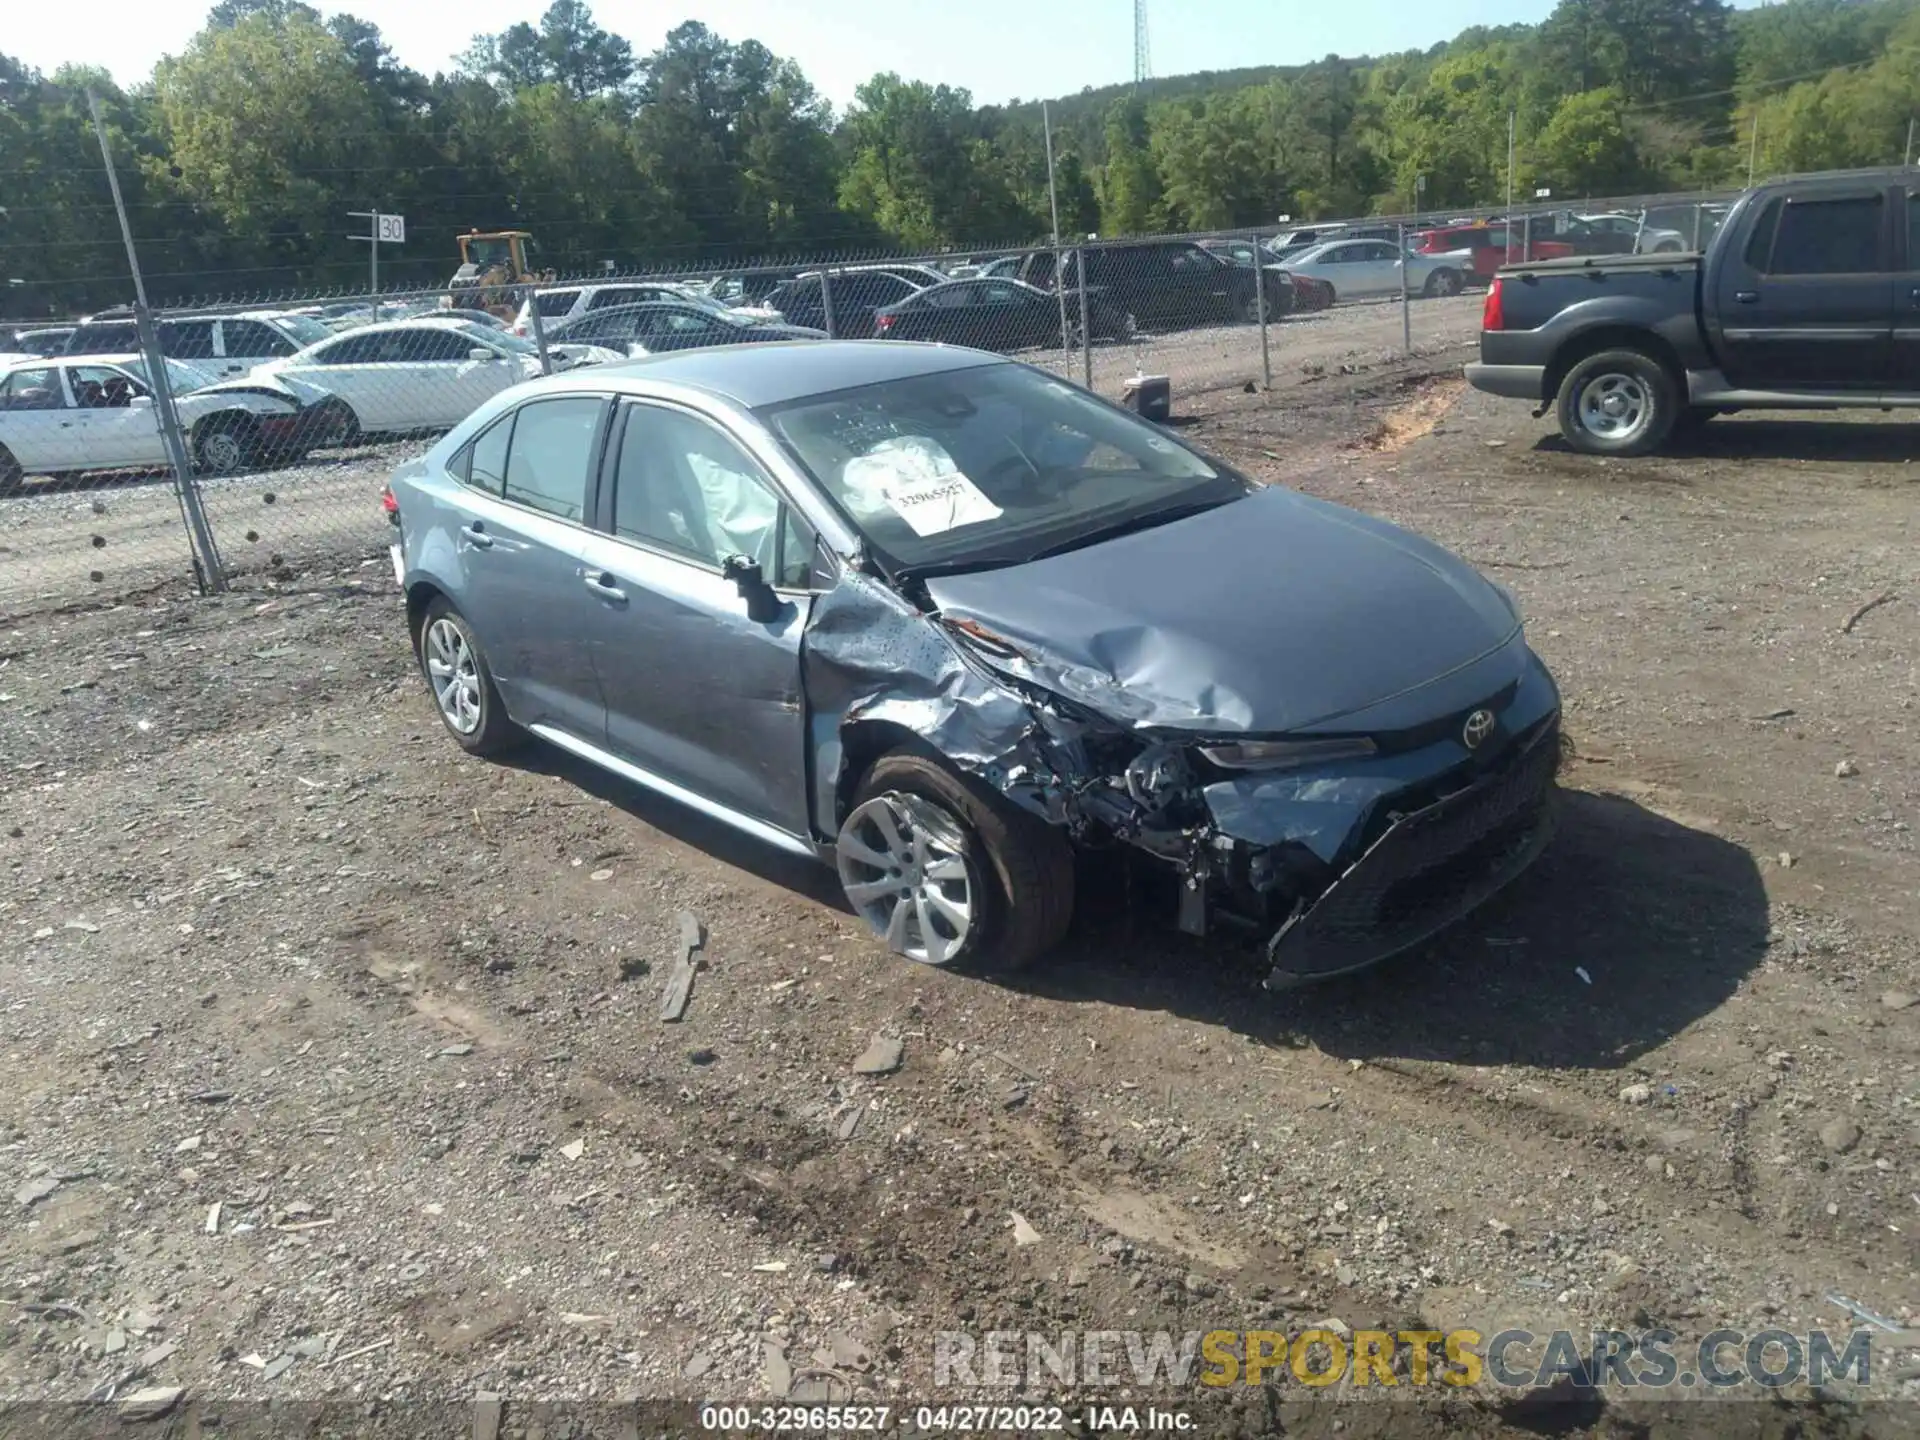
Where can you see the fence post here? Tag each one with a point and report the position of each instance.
(1086, 327)
(539, 329)
(1406, 305)
(1697, 208)
(826, 299)
(206, 559)
(1060, 291)
(1260, 303)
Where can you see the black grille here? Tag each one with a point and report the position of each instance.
(1428, 868)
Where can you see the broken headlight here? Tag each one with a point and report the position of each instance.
(1283, 754)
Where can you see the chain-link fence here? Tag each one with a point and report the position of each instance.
(240, 439)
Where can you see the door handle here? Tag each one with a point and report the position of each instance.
(1747, 297)
(477, 536)
(603, 586)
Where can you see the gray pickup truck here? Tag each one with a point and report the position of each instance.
(1808, 298)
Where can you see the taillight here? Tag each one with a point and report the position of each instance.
(883, 322)
(1492, 317)
(389, 504)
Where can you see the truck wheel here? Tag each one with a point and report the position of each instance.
(949, 873)
(1619, 402)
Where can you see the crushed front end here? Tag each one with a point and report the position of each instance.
(1345, 846)
(1341, 842)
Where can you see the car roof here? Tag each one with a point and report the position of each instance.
(412, 322)
(758, 375)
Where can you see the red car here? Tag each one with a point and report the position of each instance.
(1491, 246)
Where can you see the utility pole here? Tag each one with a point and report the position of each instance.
(1909, 159)
(1053, 201)
(206, 559)
(384, 229)
(1512, 119)
(1753, 149)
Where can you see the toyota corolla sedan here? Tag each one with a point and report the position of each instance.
(937, 619)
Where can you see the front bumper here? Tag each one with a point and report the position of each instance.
(1427, 870)
(1514, 382)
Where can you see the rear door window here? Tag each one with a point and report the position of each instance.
(1829, 237)
(551, 454)
(484, 466)
(552, 304)
(37, 389)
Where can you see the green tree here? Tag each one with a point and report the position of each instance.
(740, 138)
(267, 124)
(1585, 148)
(568, 49)
(1130, 183)
(912, 167)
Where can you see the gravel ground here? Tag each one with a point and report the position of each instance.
(324, 1036)
(100, 537)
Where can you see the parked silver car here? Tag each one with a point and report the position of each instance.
(937, 618)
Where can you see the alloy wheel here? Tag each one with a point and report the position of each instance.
(1614, 406)
(454, 674)
(222, 452)
(903, 865)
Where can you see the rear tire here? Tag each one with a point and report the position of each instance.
(343, 433)
(13, 478)
(461, 682)
(1019, 869)
(1442, 282)
(1618, 402)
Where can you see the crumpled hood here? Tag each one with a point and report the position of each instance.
(1260, 616)
(262, 381)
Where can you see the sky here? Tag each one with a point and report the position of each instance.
(998, 49)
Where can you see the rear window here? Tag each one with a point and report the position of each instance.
(118, 337)
(554, 303)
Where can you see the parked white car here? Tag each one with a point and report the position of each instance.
(570, 302)
(1372, 267)
(1633, 235)
(425, 374)
(95, 412)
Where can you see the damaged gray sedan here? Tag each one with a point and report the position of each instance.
(940, 619)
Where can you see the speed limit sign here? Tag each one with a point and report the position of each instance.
(392, 229)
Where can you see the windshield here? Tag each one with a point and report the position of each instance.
(303, 330)
(498, 339)
(182, 377)
(990, 465)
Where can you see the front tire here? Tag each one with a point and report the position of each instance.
(1618, 402)
(949, 873)
(226, 447)
(13, 477)
(461, 682)
(1443, 282)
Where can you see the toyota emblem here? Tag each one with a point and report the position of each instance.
(1478, 727)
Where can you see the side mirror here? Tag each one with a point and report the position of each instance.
(763, 605)
(482, 354)
(139, 402)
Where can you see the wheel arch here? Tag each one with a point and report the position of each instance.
(1611, 337)
(862, 742)
(421, 594)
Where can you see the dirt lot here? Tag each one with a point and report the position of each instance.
(323, 1036)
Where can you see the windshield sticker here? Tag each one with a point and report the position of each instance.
(916, 479)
